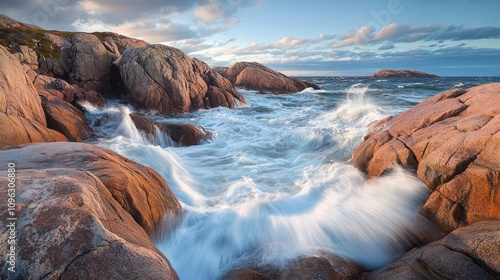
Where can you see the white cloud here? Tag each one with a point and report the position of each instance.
(290, 42)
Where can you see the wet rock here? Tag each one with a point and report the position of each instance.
(139, 190)
(402, 74)
(70, 93)
(70, 227)
(471, 252)
(165, 79)
(182, 134)
(323, 266)
(255, 76)
(452, 141)
(66, 118)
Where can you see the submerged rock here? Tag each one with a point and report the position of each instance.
(452, 140)
(402, 74)
(325, 266)
(255, 76)
(182, 134)
(165, 79)
(471, 252)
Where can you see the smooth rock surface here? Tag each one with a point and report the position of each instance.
(139, 190)
(70, 227)
(66, 118)
(255, 76)
(452, 140)
(163, 78)
(22, 118)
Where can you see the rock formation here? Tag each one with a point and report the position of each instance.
(138, 189)
(452, 141)
(324, 266)
(255, 76)
(402, 74)
(181, 134)
(163, 78)
(471, 252)
(21, 115)
(76, 212)
(66, 118)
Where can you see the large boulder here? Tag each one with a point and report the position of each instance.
(390, 73)
(452, 140)
(87, 63)
(139, 190)
(66, 118)
(471, 252)
(255, 76)
(181, 134)
(165, 79)
(21, 114)
(69, 227)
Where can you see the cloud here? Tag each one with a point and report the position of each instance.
(459, 33)
(395, 32)
(290, 42)
(361, 37)
(153, 20)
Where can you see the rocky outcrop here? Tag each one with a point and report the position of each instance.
(452, 140)
(70, 224)
(255, 76)
(21, 115)
(326, 266)
(402, 74)
(471, 252)
(139, 190)
(181, 134)
(87, 63)
(165, 79)
(70, 93)
(66, 118)
(117, 44)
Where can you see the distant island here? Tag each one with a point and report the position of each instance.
(390, 73)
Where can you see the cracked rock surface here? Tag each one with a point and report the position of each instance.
(165, 79)
(471, 252)
(452, 140)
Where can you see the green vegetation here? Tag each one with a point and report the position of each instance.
(31, 37)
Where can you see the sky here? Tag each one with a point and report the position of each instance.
(316, 37)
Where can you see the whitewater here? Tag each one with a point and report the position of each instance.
(274, 180)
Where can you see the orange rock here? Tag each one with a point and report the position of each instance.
(139, 190)
(455, 140)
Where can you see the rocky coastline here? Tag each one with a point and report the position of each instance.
(87, 212)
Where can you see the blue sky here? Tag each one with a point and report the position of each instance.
(445, 37)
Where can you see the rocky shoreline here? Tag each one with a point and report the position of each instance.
(86, 212)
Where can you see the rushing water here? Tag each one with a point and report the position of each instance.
(276, 181)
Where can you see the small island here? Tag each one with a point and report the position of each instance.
(390, 73)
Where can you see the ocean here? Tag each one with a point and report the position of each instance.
(275, 179)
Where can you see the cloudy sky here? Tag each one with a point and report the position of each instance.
(330, 37)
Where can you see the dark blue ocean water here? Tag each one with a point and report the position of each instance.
(275, 181)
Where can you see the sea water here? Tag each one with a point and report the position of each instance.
(275, 179)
